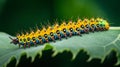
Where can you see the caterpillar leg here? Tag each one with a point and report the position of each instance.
(24, 45)
(40, 39)
(21, 44)
(82, 31)
(100, 28)
(47, 40)
(70, 34)
(53, 38)
(29, 44)
(73, 33)
(35, 44)
(65, 35)
(96, 29)
(92, 29)
(37, 41)
(78, 32)
(41, 42)
(86, 30)
(104, 28)
(59, 37)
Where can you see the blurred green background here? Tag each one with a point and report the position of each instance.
(19, 15)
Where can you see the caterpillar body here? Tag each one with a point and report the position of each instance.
(57, 32)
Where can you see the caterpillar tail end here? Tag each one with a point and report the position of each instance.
(14, 41)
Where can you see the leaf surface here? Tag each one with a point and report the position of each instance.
(97, 45)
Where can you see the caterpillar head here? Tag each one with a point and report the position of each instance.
(107, 25)
(14, 41)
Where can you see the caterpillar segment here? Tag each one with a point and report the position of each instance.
(33, 38)
(57, 32)
(22, 40)
(39, 36)
(63, 27)
(77, 29)
(51, 32)
(70, 28)
(101, 23)
(93, 25)
(80, 25)
(45, 35)
(97, 24)
(28, 39)
(86, 26)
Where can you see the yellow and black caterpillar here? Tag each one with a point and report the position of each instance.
(64, 30)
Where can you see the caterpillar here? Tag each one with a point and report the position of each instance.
(57, 32)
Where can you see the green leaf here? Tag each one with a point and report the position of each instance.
(97, 45)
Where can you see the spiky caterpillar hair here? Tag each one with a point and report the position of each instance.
(57, 32)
